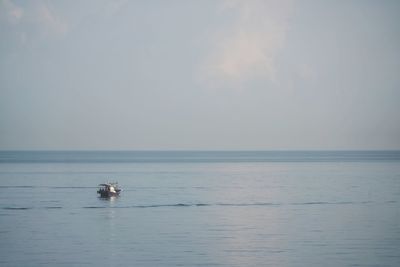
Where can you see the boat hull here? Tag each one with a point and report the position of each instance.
(106, 194)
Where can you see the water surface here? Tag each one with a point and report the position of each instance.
(189, 208)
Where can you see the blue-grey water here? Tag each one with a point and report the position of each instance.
(339, 208)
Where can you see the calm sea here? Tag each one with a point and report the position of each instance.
(181, 208)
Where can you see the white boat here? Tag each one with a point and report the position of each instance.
(109, 190)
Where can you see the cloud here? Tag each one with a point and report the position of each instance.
(248, 46)
(50, 23)
(111, 8)
(306, 72)
(34, 19)
(11, 12)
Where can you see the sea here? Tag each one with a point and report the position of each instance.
(200, 208)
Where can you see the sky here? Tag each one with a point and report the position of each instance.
(199, 75)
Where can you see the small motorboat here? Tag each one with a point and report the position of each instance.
(109, 190)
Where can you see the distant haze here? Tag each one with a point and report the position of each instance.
(138, 75)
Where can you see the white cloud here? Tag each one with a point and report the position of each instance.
(248, 47)
(10, 11)
(50, 23)
(32, 19)
(111, 8)
(306, 72)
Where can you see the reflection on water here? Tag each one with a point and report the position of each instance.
(111, 199)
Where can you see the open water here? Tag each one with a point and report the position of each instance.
(201, 209)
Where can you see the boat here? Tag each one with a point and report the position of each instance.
(109, 190)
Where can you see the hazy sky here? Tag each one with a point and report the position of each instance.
(199, 74)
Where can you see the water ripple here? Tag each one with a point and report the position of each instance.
(178, 205)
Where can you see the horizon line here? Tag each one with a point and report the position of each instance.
(199, 150)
